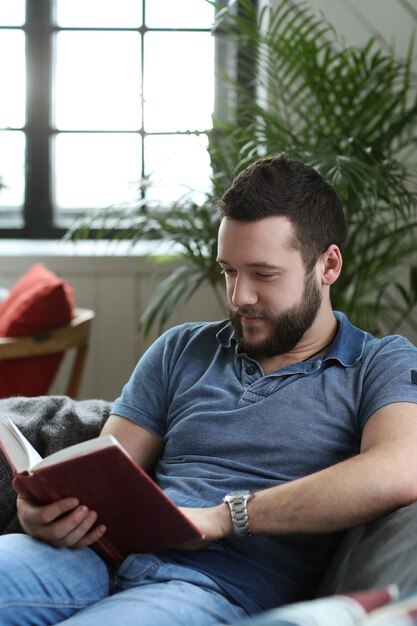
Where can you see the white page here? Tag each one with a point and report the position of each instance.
(20, 449)
(78, 449)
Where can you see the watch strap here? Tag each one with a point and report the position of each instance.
(238, 505)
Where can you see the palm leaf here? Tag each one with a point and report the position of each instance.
(171, 293)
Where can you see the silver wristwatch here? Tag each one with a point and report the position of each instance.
(238, 504)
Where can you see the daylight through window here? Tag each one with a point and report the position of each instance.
(100, 96)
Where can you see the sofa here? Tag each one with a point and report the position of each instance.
(371, 556)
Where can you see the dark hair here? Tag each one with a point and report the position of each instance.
(278, 185)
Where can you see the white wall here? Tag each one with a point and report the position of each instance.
(391, 22)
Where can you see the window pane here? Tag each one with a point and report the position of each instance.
(96, 170)
(184, 14)
(176, 165)
(13, 74)
(104, 13)
(12, 12)
(178, 84)
(97, 81)
(12, 168)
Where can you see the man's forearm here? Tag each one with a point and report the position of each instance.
(344, 495)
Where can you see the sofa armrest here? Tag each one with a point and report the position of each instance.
(377, 554)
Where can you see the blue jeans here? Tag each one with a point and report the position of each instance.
(42, 585)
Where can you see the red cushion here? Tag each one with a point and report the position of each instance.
(38, 302)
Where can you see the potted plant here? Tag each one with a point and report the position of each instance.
(351, 112)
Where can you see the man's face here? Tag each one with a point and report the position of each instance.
(272, 303)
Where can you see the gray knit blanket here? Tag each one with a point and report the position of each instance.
(50, 423)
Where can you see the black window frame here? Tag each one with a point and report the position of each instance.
(38, 211)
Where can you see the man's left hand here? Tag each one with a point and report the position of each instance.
(214, 522)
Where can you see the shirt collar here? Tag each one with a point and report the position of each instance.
(347, 346)
(225, 335)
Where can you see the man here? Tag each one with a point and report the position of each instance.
(311, 420)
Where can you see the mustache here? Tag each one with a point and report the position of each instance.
(235, 312)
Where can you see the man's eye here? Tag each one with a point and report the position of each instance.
(265, 276)
(227, 272)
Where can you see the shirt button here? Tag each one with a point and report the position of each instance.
(251, 370)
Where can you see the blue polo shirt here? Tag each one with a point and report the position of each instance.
(226, 426)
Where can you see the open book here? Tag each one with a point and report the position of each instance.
(99, 472)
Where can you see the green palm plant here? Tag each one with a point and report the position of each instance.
(351, 112)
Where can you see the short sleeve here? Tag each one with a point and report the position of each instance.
(144, 398)
(388, 375)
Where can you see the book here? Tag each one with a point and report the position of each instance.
(103, 476)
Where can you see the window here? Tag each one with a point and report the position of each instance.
(100, 96)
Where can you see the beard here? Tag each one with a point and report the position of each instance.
(288, 327)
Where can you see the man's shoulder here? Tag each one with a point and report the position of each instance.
(389, 354)
(389, 343)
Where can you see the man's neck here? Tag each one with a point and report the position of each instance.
(315, 343)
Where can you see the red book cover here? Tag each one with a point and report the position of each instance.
(138, 515)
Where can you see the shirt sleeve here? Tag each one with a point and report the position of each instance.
(388, 376)
(144, 398)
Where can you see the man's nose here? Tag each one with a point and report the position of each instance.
(243, 293)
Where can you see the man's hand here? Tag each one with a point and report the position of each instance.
(62, 523)
(214, 522)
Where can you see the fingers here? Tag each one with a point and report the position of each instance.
(83, 540)
(32, 513)
(62, 523)
(76, 529)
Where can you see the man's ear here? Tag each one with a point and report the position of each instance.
(331, 265)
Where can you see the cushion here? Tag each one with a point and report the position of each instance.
(40, 301)
(379, 553)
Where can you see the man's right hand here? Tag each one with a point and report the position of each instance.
(62, 523)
